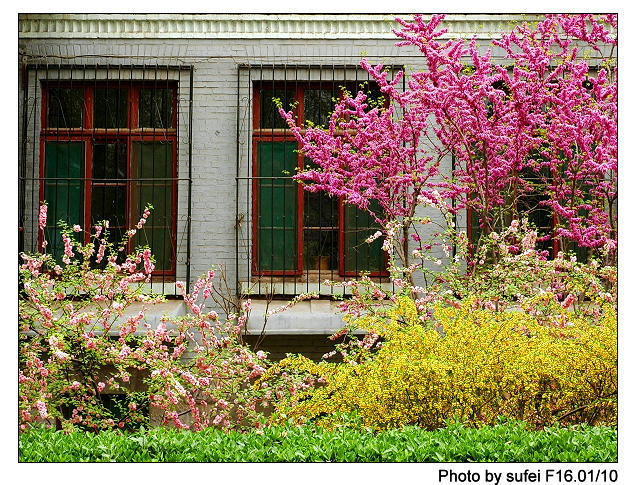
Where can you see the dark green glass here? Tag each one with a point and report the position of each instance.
(63, 189)
(277, 206)
(152, 165)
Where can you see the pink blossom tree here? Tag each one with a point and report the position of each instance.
(87, 360)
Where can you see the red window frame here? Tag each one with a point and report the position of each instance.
(282, 135)
(88, 134)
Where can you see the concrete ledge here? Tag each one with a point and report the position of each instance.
(152, 315)
(313, 317)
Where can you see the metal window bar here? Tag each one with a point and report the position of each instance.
(323, 229)
(70, 179)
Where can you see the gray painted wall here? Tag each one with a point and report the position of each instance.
(214, 123)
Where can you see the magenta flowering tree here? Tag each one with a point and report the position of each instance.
(548, 115)
(544, 124)
(373, 159)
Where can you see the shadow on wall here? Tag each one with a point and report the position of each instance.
(311, 346)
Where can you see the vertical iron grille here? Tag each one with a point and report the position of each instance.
(290, 241)
(102, 142)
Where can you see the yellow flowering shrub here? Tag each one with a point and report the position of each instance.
(472, 365)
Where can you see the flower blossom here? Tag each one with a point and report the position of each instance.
(41, 406)
(42, 217)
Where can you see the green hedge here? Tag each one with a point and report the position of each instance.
(509, 442)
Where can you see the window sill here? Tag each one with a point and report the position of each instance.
(290, 286)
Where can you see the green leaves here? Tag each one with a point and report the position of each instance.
(504, 442)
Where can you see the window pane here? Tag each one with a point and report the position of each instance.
(64, 170)
(359, 255)
(320, 241)
(583, 253)
(111, 108)
(65, 107)
(160, 241)
(153, 166)
(63, 189)
(109, 160)
(269, 115)
(159, 194)
(529, 205)
(475, 228)
(152, 159)
(320, 249)
(277, 206)
(321, 210)
(271, 255)
(539, 216)
(155, 108)
(108, 202)
(319, 104)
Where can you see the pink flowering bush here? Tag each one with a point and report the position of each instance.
(213, 385)
(86, 360)
(521, 275)
(71, 349)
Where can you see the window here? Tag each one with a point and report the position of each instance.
(527, 205)
(108, 149)
(530, 206)
(296, 231)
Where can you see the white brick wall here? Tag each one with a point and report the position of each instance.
(214, 128)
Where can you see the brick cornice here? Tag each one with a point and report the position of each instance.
(245, 26)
